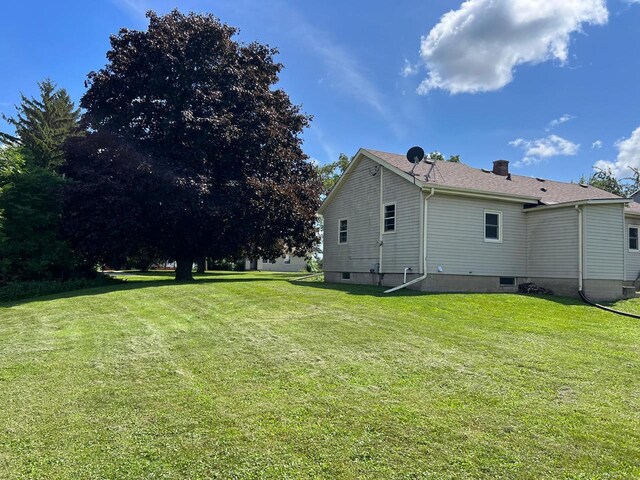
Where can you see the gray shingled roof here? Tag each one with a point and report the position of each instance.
(459, 175)
(633, 208)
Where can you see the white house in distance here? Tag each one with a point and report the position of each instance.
(285, 263)
(455, 228)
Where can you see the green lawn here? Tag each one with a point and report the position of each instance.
(251, 376)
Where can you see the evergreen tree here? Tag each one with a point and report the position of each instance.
(31, 246)
(42, 125)
(11, 162)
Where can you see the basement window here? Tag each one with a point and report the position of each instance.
(345, 276)
(342, 231)
(507, 281)
(389, 218)
(492, 226)
(633, 239)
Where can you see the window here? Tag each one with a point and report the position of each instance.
(342, 235)
(287, 259)
(389, 219)
(265, 261)
(345, 276)
(633, 238)
(492, 226)
(507, 281)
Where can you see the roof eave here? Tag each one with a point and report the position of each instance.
(467, 192)
(363, 152)
(589, 201)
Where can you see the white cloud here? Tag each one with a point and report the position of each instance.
(138, 8)
(408, 69)
(343, 71)
(477, 47)
(628, 156)
(329, 150)
(559, 121)
(537, 150)
(597, 145)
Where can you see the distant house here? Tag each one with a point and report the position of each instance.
(285, 263)
(453, 228)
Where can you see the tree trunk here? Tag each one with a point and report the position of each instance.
(184, 272)
(202, 265)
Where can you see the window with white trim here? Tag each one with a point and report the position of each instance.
(287, 259)
(343, 234)
(389, 219)
(633, 239)
(492, 226)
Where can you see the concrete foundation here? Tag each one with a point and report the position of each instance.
(359, 278)
(603, 290)
(436, 282)
(596, 290)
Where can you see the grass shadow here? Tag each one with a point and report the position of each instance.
(376, 291)
(138, 280)
(155, 279)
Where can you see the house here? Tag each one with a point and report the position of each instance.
(448, 227)
(285, 263)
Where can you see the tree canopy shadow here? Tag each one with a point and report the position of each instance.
(154, 279)
(165, 280)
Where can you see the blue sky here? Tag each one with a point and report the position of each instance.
(553, 86)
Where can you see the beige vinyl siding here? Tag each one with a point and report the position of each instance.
(401, 249)
(603, 242)
(632, 259)
(553, 243)
(296, 264)
(357, 201)
(455, 237)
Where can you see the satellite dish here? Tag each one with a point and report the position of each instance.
(415, 155)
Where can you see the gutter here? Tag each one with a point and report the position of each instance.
(593, 201)
(424, 248)
(467, 192)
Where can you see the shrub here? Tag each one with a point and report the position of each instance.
(313, 265)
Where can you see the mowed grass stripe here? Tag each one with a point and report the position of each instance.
(250, 376)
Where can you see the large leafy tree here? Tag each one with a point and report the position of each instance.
(191, 150)
(605, 179)
(42, 125)
(330, 173)
(441, 158)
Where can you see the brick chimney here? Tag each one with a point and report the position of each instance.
(501, 167)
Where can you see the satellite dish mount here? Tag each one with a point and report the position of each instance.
(415, 155)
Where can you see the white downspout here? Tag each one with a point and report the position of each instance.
(580, 250)
(424, 246)
(625, 247)
(404, 277)
(380, 243)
